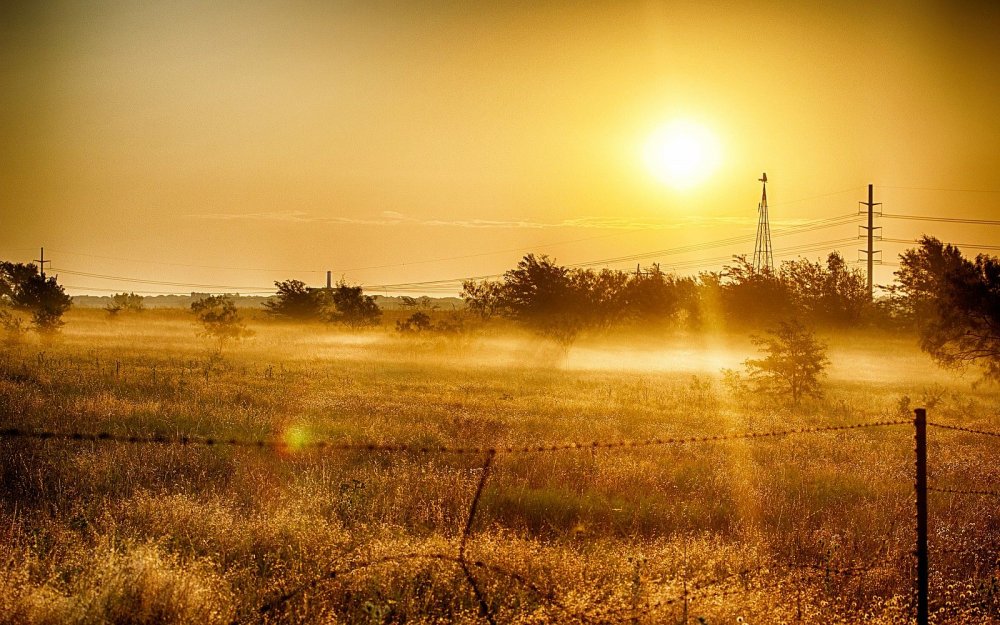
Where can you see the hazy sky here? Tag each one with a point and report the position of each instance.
(240, 143)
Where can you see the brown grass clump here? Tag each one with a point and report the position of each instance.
(136, 585)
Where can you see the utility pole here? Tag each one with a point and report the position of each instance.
(870, 229)
(923, 565)
(41, 262)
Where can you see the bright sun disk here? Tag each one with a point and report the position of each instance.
(682, 154)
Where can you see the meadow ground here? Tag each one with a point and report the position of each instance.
(811, 528)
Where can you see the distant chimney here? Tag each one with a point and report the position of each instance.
(329, 279)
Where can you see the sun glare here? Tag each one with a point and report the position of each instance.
(682, 154)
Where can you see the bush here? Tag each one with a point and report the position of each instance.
(220, 319)
(294, 300)
(792, 364)
(12, 326)
(414, 324)
(124, 302)
(352, 307)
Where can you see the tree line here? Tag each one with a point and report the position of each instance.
(952, 301)
(561, 302)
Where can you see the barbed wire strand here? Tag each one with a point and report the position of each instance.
(959, 428)
(957, 491)
(425, 449)
(490, 452)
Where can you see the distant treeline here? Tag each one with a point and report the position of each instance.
(561, 302)
(952, 302)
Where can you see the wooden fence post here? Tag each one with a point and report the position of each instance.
(920, 424)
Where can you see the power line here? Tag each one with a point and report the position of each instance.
(144, 292)
(170, 264)
(941, 189)
(449, 284)
(387, 266)
(681, 264)
(402, 264)
(792, 251)
(957, 220)
(972, 245)
(100, 276)
(816, 197)
(695, 247)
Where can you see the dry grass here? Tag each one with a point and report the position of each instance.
(113, 533)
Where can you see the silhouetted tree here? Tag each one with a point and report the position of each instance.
(658, 297)
(830, 293)
(602, 297)
(485, 299)
(416, 323)
(559, 302)
(541, 295)
(792, 362)
(121, 302)
(22, 288)
(753, 297)
(220, 319)
(955, 303)
(352, 307)
(294, 300)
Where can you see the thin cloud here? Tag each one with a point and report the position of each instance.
(393, 218)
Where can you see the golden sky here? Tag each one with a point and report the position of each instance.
(235, 144)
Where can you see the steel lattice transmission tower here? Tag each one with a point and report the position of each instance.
(763, 259)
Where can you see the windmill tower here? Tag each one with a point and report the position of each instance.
(762, 257)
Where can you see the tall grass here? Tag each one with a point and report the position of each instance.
(103, 532)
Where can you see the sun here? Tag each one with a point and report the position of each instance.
(682, 154)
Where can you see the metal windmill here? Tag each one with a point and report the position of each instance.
(763, 259)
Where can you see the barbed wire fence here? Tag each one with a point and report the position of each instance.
(470, 567)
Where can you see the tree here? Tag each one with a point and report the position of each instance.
(23, 288)
(793, 360)
(830, 293)
(751, 296)
(485, 299)
(220, 319)
(658, 297)
(124, 302)
(416, 323)
(352, 307)
(955, 303)
(294, 300)
(541, 295)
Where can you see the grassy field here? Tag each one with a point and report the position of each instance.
(813, 528)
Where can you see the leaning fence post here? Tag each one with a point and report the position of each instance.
(920, 424)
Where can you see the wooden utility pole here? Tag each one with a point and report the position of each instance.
(923, 567)
(41, 262)
(870, 229)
